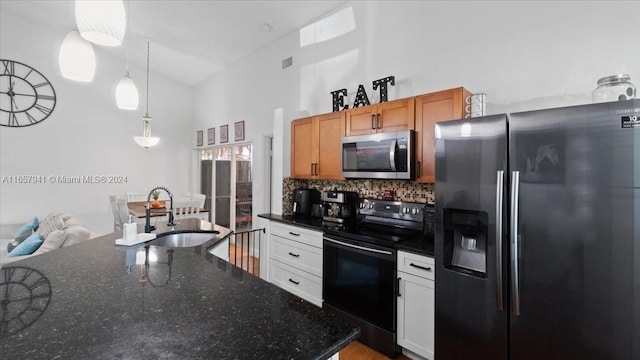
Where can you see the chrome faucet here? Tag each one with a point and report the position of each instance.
(147, 226)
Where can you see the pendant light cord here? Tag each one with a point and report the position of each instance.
(147, 111)
(128, 16)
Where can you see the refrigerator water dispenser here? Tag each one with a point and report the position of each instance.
(465, 241)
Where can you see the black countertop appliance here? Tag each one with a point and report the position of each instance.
(340, 206)
(303, 201)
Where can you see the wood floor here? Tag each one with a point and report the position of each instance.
(359, 351)
(242, 259)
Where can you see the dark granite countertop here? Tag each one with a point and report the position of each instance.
(301, 221)
(422, 246)
(93, 301)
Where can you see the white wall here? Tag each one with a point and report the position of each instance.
(524, 55)
(87, 135)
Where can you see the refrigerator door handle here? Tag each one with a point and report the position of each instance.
(515, 283)
(499, 200)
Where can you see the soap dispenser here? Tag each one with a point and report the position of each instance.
(129, 230)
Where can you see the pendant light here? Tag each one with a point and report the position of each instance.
(77, 60)
(146, 140)
(101, 21)
(126, 91)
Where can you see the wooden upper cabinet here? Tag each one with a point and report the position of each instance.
(316, 146)
(360, 121)
(431, 108)
(302, 148)
(330, 131)
(389, 116)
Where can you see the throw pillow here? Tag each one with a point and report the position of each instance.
(28, 246)
(25, 231)
(55, 240)
(51, 222)
(76, 234)
(28, 228)
(74, 221)
(16, 241)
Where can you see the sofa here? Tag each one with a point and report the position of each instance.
(54, 231)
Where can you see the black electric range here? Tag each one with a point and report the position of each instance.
(382, 222)
(359, 267)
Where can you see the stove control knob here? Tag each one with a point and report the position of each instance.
(415, 211)
(362, 205)
(405, 210)
(371, 206)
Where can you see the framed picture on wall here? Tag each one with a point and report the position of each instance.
(211, 136)
(238, 130)
(199, 136)
(224, 133)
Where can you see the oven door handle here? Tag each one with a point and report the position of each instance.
(359, 247)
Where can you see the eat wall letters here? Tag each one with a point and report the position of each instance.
(361, 97)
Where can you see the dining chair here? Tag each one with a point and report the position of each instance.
(117, 221)
(201, 199)
(135, 196)
(123, 208)
(186, 209)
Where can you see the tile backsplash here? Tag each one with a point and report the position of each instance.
(408, 191)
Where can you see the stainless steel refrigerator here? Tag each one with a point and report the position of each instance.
(537, 240)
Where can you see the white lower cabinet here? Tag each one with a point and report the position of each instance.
(295, 261)
(297, 282)
(416, 304)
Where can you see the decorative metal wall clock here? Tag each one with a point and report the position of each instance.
(26, 96)
(25, 294)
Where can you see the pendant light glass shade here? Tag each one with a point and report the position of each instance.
(77, 60)
(102, 22)
(127, 93)
(146, 140)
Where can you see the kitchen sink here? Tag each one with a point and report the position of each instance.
(183, 239)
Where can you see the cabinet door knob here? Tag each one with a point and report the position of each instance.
(373, 121)
(294, 234)
(419, 170)
(294, 255)
(399, 295)
(378, 121)
(293, 281)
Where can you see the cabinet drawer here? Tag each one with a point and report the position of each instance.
(297, 282)
(297, 254)
(417, 265)
(303, 235)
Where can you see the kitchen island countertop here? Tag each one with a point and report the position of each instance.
(98, 300)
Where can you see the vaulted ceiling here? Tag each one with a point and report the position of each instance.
(190, 39)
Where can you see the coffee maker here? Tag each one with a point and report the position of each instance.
(304, 201)
(339, 206)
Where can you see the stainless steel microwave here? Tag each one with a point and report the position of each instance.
(388, 155)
